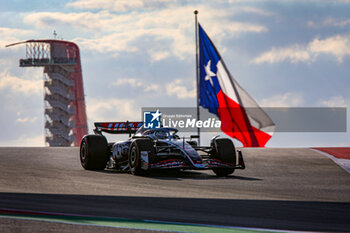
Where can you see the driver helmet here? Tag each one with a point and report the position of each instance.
(161, 134)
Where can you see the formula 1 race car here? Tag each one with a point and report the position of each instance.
(158, 148)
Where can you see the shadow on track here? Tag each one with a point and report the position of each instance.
(181, 175)
(287, 215)
(194, 175)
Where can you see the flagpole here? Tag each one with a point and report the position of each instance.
(197, 74)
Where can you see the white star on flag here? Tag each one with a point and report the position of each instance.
(156, 115)
(209, 73)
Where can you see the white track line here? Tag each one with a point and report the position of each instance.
(52, 214)
(82, 224)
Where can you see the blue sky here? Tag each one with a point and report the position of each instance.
(141, 53)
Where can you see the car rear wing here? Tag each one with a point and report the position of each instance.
(117, 127)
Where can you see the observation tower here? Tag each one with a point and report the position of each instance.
(64, 101)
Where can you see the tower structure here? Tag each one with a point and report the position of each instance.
(65, 114)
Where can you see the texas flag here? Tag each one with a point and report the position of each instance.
(241, 117)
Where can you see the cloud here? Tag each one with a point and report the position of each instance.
(160, 33)
(118, 6)
(337, 46)
(84, 20)
(20, 85)
(123, 33)
(127, 5)
(25, 141)
(334, 101)
(336, 22)
(256, 11)
(179, 89)
(11, 32)
(283, 100)
(112, 109)
(293, 54)
(158, 55)
(244, 27)
(12, 35)
(136, 83)
(26, 119)
(329, 22)
(311, 24)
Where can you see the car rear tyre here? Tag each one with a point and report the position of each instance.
(224, 150)
(138, 145)
(94, 152)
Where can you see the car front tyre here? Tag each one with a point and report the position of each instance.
(225, 151)
(136, 147)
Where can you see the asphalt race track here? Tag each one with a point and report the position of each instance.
(285, 189)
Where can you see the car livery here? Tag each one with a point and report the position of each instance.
(155, 148)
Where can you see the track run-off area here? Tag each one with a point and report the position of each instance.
(281, 189)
